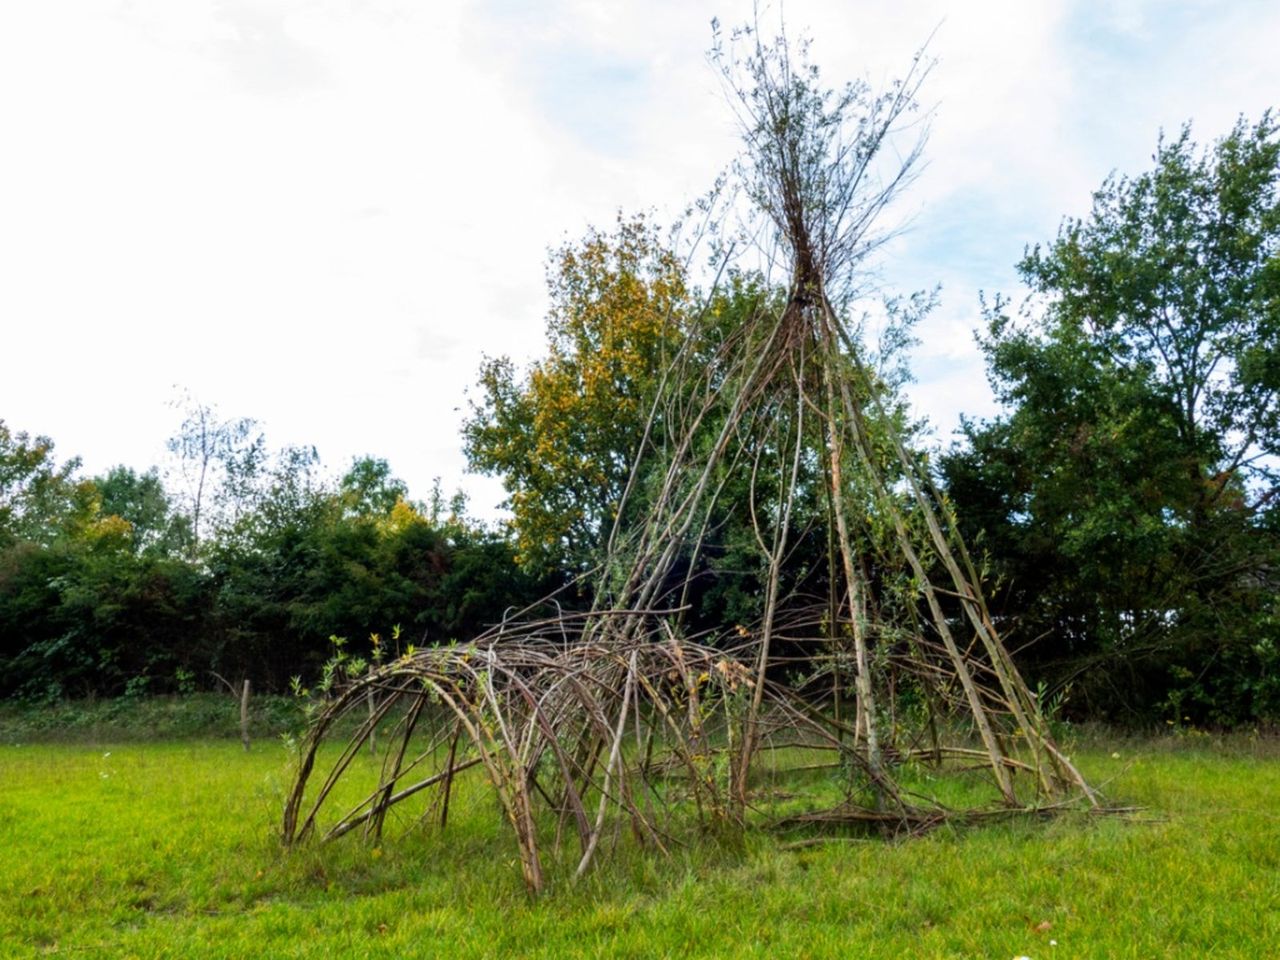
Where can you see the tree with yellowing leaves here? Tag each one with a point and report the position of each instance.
(563, 435)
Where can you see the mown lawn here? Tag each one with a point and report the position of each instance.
(168, 849)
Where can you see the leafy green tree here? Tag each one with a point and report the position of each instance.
(369, 489)
(1175, 280)
(87, 613)
(142, 501)
(1129, 495)
(38, 496)
(79, 611)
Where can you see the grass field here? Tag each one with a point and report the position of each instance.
(167, 849)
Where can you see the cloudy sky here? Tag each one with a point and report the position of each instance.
(322, 213)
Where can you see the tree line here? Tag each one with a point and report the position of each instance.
(1122, 506)
(246, 564)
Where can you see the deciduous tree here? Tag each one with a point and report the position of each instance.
(1129, 492)
(563, 435)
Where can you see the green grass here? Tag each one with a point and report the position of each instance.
(132, 719)
(168, 849)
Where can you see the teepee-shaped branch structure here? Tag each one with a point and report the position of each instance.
(783, 427)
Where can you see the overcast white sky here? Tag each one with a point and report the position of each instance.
(321, 213)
